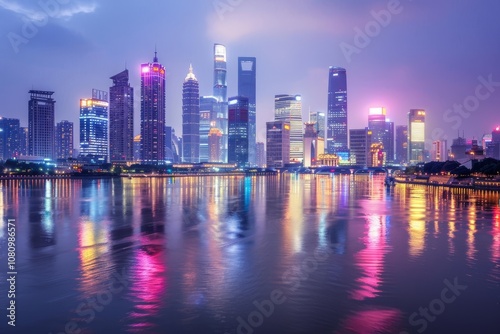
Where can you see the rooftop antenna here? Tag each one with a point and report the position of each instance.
(155, 59)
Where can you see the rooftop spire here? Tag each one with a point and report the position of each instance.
(190, 75)
(155, 59)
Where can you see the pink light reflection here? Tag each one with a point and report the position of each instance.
(145, 69)
(149, 286)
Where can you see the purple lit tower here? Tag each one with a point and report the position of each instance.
(153, 112)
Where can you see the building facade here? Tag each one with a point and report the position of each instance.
(191, 118)
(41, 124)
(336, 126)
(402, 144)
(208, 118)
(153, 112)
(360, 144)
(261, 155)
(278, 144)
(94, 127)
(416, 135)
(10, 138)
(121, 118)
(247, 87)
(311, 147)
(238, 131)
(64, 140)
(288, 108)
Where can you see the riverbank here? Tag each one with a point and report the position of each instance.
(480, 183)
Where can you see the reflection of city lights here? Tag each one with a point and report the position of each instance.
(416, 226)
(371, 259)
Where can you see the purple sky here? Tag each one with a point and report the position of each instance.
(430, 55)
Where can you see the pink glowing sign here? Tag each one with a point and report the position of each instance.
(145, 69)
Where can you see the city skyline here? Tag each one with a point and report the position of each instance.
(376, 77)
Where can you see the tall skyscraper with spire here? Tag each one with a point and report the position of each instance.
(247, 67)
(220, 93)
(121, 119)
(153, 112)
(336, 119)
(191, 118)
(41, 125)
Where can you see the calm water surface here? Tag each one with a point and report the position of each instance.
(274, 254)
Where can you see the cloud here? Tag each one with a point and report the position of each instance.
(50, 8)
(232, 22)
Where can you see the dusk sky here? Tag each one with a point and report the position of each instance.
(430, 55)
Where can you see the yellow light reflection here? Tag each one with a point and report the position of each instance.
(416, 228)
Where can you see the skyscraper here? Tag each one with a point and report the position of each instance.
(402, 144)
(261, 155)
(278, 144)
(376, 123)
(121, 119)
(41, 125)
(220, 93)
(320, 120)
(238, 131)
(336, 126)
(64, 140)
(207, 121)
(153, 112)
(191, 118)
(24, 140)
(247, 79)
(388, 141)
(288, 108)
(310, 145)
(382, 131)
(94, 127)
(10, 144)
(416, 134)
(360, 143)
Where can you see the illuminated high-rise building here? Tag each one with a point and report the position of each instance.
(153, 112)
(278, 144)
(238, 131)
(137, 147)
(23, 140)
(288, 108)
(207, 121)
(360, 144)
(64, 140)
(402, 144)
(94, 127)
(261, 155)
(311, 145)
(247, 79)
(336, 119)
(41, 124)
(416, 135)
(191, 118)
(220, 93)
(320, 119)
(121, 118)
(10, 143)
